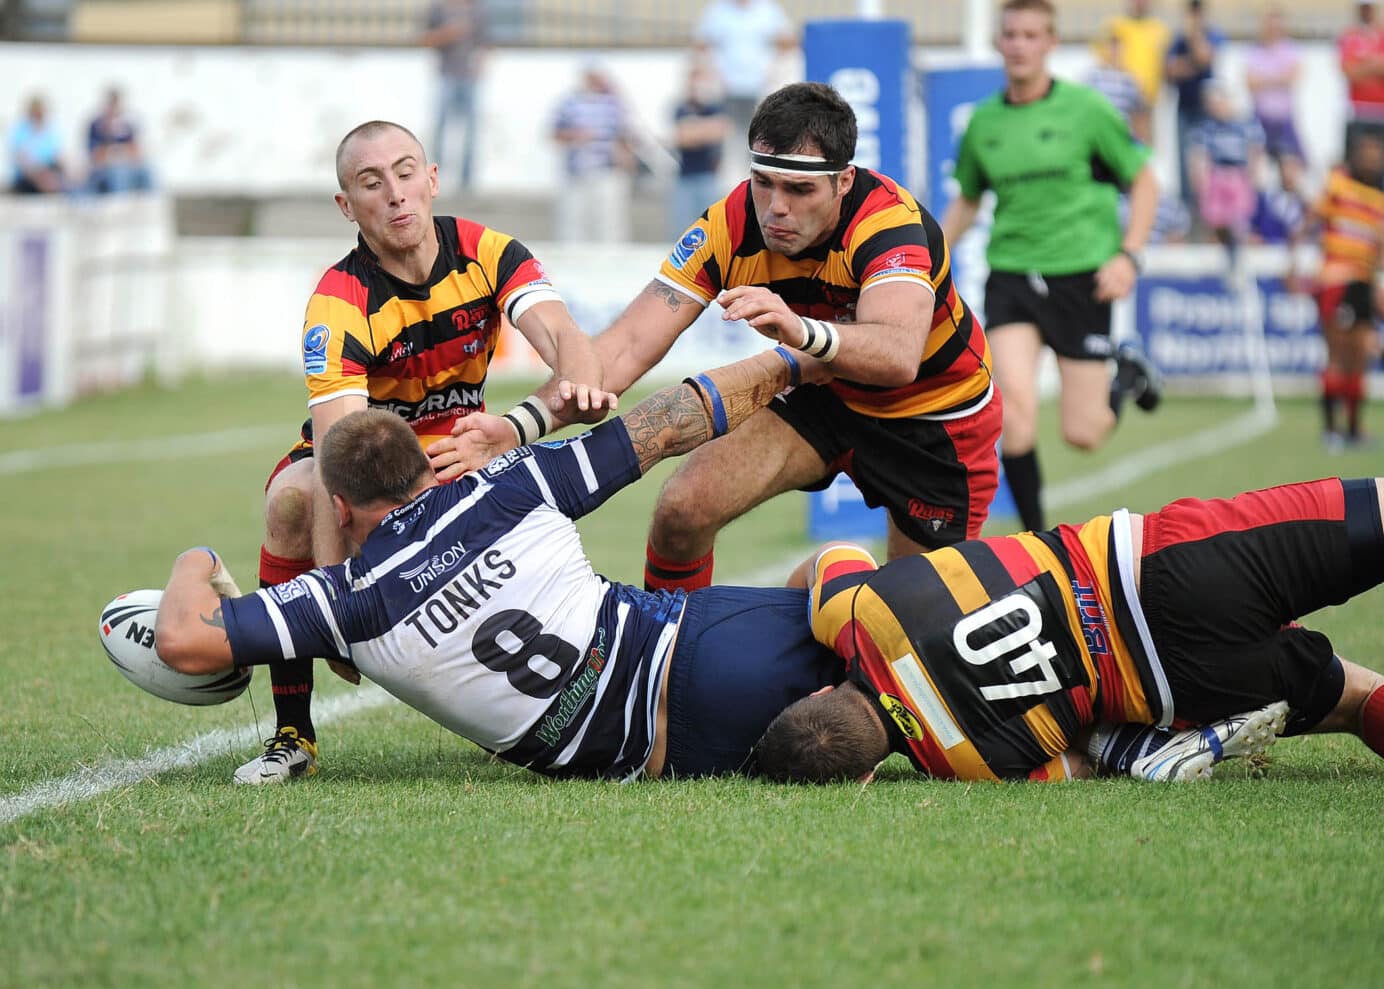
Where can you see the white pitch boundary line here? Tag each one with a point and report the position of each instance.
(96, 780)
(92, 782)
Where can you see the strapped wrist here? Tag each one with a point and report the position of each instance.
(530, 419)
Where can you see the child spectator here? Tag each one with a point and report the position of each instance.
(1224, 155)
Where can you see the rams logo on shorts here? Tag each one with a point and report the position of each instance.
(685, 248)
(315, 349)
(902, 716)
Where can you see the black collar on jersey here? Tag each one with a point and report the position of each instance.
(1052, 84)
(796, 164)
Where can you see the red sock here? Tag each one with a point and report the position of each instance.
(291, 680)
(1372, 721)
(662, 574)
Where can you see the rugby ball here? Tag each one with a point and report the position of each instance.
(127, 634)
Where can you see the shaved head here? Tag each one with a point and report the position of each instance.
(365, 131)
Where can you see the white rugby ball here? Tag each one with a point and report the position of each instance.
(127, 633)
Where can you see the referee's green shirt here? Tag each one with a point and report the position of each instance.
(1056, 166)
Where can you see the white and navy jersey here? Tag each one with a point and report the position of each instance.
(476, 605)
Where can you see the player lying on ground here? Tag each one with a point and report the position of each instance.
(474, 603)
(987, 660)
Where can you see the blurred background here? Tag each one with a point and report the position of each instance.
(170, 162)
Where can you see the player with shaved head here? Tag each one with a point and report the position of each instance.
(407, 322)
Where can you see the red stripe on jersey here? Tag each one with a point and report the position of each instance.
(854, 641)
(527, 272)
(443, 357)
(1190, 519)
(736, 215)
(1016, 560)
(1112, 692)
(469, 236)
(344, 286)
(843, 567)
(351, 369)
(1081, 703)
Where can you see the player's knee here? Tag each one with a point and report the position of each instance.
(1085, 432)
(680, 517)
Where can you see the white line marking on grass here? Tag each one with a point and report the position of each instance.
(145, 450)
(96, 780)
(1149, 460)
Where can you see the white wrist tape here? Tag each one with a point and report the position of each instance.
(531, 418)
(820, 339)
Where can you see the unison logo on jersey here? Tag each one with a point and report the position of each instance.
(315, 348)
(902, 716)
(435, 566)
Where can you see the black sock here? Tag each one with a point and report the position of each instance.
(291, 682)
(1025, 484)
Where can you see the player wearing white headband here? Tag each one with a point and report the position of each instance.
(841, 263)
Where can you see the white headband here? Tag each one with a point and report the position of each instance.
(796, 164)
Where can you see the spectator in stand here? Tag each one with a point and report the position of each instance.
(1111, 78)
(456, 29)
(700, 126)
(593, 130)
(114, 151)
(1191, 62)
(1361, 49)
(1143, 46)
(1224, 155)
(743, 38)
(1272, 68)
(35, 152)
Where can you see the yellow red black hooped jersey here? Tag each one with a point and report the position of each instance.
(1352, 214)
(421, 351)
(988, 658)
(883, 236)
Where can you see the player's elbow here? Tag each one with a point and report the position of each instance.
(179, 647)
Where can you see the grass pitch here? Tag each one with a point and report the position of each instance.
(413, 858)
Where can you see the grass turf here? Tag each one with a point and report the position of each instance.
(413, 858)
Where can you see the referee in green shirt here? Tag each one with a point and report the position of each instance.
(1056, 155)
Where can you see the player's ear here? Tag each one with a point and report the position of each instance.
(343, 512)
(343, 204)
(846, 180)
(823, 690)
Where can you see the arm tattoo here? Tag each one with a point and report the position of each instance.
(671, 297)
(668, 423)
(214, 620)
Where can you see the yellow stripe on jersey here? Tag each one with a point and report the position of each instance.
(960, 579)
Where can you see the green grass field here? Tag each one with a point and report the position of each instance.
(415, 859)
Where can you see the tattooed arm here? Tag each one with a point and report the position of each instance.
(642, 334)
(676, 420)
(191, 631)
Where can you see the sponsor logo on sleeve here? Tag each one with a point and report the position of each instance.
(902, 716)
(315, 349)
(286, 592)
(505, 461)
(685, 248)
(566, 441)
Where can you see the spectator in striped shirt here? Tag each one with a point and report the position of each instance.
(593, 130)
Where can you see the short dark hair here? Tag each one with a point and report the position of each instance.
(1040, 6)
(369, 457)
(367, 130)
(803, 113)
(826, 738)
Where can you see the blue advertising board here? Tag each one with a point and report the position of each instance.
(867, 62)
(1194, 325)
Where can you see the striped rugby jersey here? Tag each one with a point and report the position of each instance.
(476, 605)
(421, 351)
(1353, 217)
(883, 236)
(989, 657)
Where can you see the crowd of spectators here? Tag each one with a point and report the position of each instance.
(41, 165)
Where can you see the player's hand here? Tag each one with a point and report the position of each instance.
(766, 313)
(1115, 279)
(476, 440)
(348, 673)
(582, 403)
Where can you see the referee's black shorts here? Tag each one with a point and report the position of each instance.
(1063, 307)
